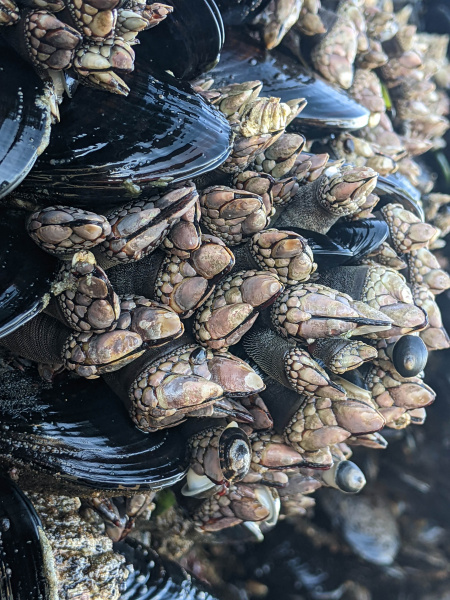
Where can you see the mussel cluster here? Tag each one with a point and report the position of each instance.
(250, 303)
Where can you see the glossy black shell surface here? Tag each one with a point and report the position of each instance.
(235, 12)
(397, 189)
(22, 556)
(361, 237)
(327, 253)
(26, 272)
(189, 42)
(110, 148)
(328, 110)
(79, 432)
(24, 119)
(156, 578)
(409, 355)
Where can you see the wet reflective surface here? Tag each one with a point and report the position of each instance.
(328, 109)
(80, 432)
(26, 272)
(24, 119)
(108, 147)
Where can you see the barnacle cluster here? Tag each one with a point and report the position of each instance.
(94, 39)
(259, 310)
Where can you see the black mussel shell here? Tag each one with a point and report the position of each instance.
(79, 432)
(409, 355)
(397, 189)
(215, 9)
(188, 42)
(26, 272)
(108, 148)
(358, 376)
(327, 253)
(154, 577)
(23, 572)
(361, 237)
(24, 119)
(235, 12)
(328, 110)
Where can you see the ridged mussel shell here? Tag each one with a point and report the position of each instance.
(155, 578)
(361, 237)
(24, 119)
(108, 148)
(327, 253)
(346, 242)
(23, 551)
(329, 110)
(26, 272)
(395, 188)
(78, 433)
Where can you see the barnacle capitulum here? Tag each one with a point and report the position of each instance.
(322, 422)
(85, 300)
(184, 285)
(234, 306)
(341, 355)
(283, 253)
(233, 215)
(119, 513)
(394, 395)
(424, 269)
(310, 311)
(138, 227)
(241, 504)
(261, 184)
(181, 283)
(154, 322)
(382, 289)
(163, 388)
(64, 230)
(434, 334)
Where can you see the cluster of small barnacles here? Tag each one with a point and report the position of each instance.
(276, 296)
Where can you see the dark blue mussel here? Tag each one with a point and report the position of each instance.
(346, 242)
(396, 188)
(157, 578)
(26, 272)
(107, 147)
(24, 119)
(23, 566)
(76, 434)
(187, 44)
(328, 109)
(235, 12)
(327, 254)
(361, 237)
